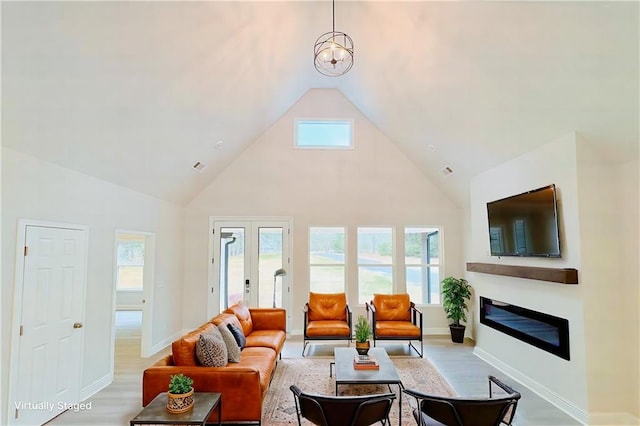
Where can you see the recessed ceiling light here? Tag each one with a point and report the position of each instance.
(199, 167)
(218, 144)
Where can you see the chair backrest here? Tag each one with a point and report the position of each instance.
(454, 411)
(327, 306)
(392, 307)
(461, 412)
(326, 410)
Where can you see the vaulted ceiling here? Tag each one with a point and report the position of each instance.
(137, 92)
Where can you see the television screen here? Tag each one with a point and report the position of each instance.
(525, 224)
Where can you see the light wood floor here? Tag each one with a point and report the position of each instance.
(467, 374)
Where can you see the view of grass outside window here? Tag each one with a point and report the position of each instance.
(375, 262)
(327, 259)
(330, 134)
(233, 258)
(269, 261)
(422, 262)
(130, 265)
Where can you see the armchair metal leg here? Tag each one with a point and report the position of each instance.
(306, 342)
(421, 352)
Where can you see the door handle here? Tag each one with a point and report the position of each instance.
(77, 325)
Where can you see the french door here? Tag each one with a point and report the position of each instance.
(250, 262)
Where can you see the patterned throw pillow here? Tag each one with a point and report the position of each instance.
(238, 335)
(232, 346)
(211, 351)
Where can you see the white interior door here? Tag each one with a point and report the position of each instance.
(250, 262)
(134, 266)
(51, 315)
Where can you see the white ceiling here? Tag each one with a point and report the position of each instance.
(137, 92)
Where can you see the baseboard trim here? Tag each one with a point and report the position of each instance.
(427, 332)
(96, 386)
(128, 307)
(542, 391)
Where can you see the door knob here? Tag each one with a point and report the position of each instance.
(77, 325)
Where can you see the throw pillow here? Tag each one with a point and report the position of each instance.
(233, 350)
(211, 351)
(238, 335)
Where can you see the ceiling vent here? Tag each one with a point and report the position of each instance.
(199, 167)
(447, 171)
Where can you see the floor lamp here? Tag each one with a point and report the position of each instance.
(280, 272)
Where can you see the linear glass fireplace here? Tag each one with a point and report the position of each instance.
(541, 330)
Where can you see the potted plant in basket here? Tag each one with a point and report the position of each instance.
(180, 395)
(363, 334)
(455, 293)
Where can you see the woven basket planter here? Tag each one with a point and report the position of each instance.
(179, 402)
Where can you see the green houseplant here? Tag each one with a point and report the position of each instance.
(363, 334)
(180, 394)
(455, 294)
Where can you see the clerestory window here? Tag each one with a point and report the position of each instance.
(324, 134)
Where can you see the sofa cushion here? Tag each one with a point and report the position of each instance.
(327, 306)
(237, 333)
(241, 311)
(261, 359)
(233, 350)
(226, 318)
(273, 339)
(392, 307)
(184, 349)
(211, 351)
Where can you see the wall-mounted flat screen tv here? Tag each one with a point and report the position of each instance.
(525, 224)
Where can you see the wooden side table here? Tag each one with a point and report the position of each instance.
(156, 412)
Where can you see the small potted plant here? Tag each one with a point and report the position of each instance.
(180, 395)
(455, 293)
(363, 334)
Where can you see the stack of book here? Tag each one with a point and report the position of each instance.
(365, 362)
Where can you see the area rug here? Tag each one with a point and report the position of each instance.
(312, 375)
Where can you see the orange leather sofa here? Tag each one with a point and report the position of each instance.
(243, 385)
(327, 316)
(395, 317)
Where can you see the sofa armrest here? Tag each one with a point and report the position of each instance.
(155, 380)
(416, 316)
(269, 318)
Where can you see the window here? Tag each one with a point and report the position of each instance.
(422, 262)
(375, 262)
(130, 264)
(327, 259)
(328, 134)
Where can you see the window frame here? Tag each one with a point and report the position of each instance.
(119, 288)
(438, 229)
(299, 120)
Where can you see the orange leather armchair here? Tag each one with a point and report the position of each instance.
(327, 316)
(395, 317)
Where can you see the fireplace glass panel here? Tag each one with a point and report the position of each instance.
(544, 331)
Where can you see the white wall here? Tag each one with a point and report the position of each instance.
(33, 189)
(373, 184)
(590, 385)
(610, 286)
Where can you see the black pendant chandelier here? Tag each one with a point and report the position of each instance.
(333, 51)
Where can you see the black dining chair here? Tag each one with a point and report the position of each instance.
(325, 410)
(498, 408)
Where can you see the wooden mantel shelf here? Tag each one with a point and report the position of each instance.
(556, 275)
